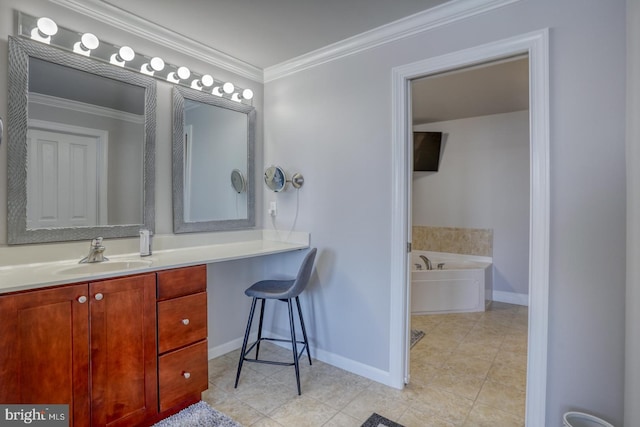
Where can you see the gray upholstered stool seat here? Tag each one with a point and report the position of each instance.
(283, 290)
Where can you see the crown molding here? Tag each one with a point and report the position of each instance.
(133, 24)
(422, 21)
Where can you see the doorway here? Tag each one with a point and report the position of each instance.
(535, 46)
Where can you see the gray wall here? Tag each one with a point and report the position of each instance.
(336, 129)
(632, 363)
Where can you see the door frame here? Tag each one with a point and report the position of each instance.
(536, 46)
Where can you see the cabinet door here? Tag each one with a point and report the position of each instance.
(44, 349)
(124, 385)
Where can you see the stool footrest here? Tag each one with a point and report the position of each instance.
(272, 362)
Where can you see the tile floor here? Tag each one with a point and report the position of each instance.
(469, 370)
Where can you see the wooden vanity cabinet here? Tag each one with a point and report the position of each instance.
(91, 345)
(44, 349)
(120, 352)
(182, 336)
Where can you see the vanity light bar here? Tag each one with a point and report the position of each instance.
(45, 30)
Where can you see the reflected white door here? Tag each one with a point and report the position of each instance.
(61, 179)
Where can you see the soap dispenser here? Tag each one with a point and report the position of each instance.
(145, 242)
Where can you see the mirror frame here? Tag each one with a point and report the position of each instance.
(181, 94)
(20, 50)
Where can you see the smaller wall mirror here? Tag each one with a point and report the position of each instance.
(213, 148)
(275, 178)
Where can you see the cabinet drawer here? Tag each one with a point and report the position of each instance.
(182, 321)
(182, 281)
(183, 373)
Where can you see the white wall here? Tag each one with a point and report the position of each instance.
(333, 123)
(632, 363)
(482, 182)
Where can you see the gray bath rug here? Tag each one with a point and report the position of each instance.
(416, 336)
(376, 420)
(198, 415)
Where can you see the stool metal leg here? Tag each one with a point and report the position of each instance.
(246, 338)
(260, 328)
(304, 330)
(293, 344)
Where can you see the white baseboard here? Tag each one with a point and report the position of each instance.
(229, 346)
(511, 298)
(338, 361)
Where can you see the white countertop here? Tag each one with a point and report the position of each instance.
(27, 276)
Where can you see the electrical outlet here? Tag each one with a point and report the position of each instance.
(273, 209)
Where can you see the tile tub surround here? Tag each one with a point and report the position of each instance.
(468, 371)
(36, 266)
(454, 240)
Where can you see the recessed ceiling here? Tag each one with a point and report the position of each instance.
(494, 88)
(267, 32)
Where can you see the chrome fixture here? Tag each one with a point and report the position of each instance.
(45, 30)
(96, 252)
(427, 262)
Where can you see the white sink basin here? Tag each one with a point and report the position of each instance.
(104, 267)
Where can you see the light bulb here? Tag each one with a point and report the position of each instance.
(204, 81)
(87, 43)
(155, 64)
(247, 94)
(45, 28)
(182, 73)
(228, 88)
(125, 53)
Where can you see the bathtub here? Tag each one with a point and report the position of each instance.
(463, 285)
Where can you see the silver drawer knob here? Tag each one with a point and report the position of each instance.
(185, 321)
(82, 299)
(99, 297)
(187, 375)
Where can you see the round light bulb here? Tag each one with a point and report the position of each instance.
(47, 26)
(126, 53)
(156, 63)
(228, 87)
(183, 73)
(206, 80)
(247, 94)
(89, 41)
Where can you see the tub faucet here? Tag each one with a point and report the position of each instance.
(96, 252)
(427, 262)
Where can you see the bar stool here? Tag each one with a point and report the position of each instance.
(286, 291)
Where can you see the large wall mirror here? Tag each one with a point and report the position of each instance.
(80, 149)
(213, 170)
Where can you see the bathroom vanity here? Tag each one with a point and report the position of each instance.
(123, 345)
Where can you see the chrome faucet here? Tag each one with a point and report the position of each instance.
(96, 252)
(427, 262)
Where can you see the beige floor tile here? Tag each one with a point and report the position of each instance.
(466, 386)
(343, 420)
(443, 405)
(508, 375)
(507, 399)
(465, 365)
(370, 401)
(231, 406)
(265, 395)
(487, 416)
(303, 411)
(414, 418)
(482, 348)
(266, 422)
